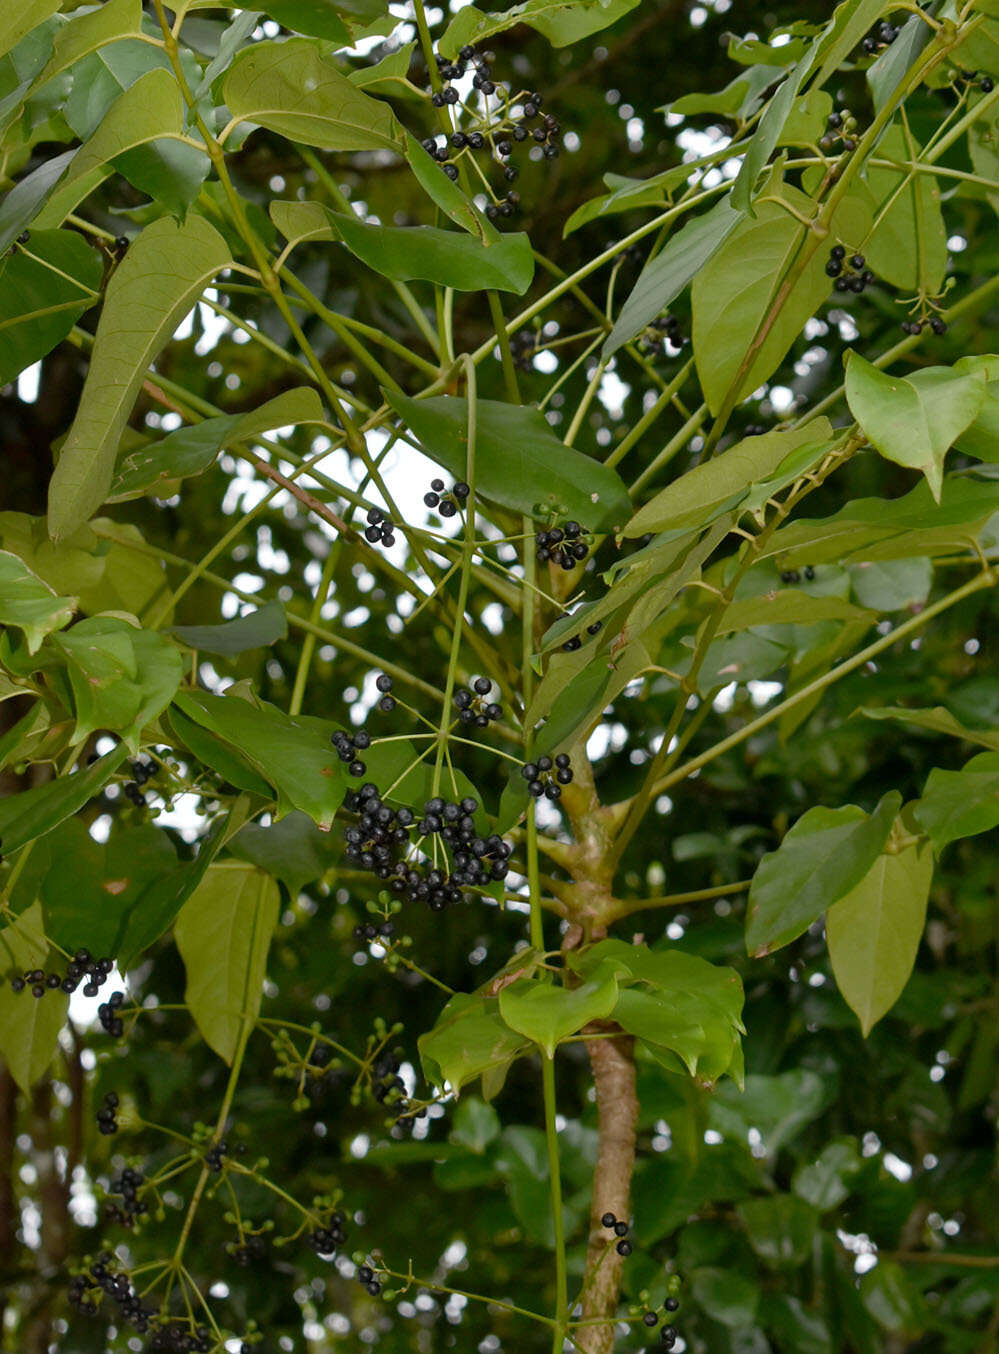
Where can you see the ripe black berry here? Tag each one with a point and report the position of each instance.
(624, 1248)
(650, 1319)
(986, 84)
(608, 1220)
(671, 1304)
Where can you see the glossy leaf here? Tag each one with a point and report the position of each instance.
(519, 461)
(289, 88)
(220, 755)
(961, 803)
(29, 604)
(781, 1228)
(32, 813)
(828, 1180)
(778, 1107)
(562, 22)
(29, 1027)
(22, 204)
(42, 295)
(292, 753)
(223, 934)
(547, 1013)
(913, 420)
(469, 1039)
(161, 276)
(410, 253)
(671, 270)
(824, 855)
(255, 630)
(294, 850)
(317, 18)
(874, 931)
(720, 483)
(446, 194)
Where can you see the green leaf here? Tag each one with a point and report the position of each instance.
(86, 33)
(892, 585)
(981, 437)
(936, 719)
(893, 1299)
(468, 1039)
(671, 270)
(221, 756)
(153, 107)
(255, 630)
(411, 253)
(122, 676)
(547, 1014)
(100, 78)
(21, 205)
(725, 1296)
(294, 850)
(317, 18)
(826, 1182)
(781, 1228)
(29, 1027)
(391, 70)
(735, 290)
(908, 242)
(798, 1328)
(155, 285)
(32, 813)
(824, 855)
(446, 194)
(19, 17)
(562, 22)
(292, 754)
(289, 88)
(722, 482)
(42, 294)
(519, 462)
(788, 606)
(961, 803)
(740, 98)
(850, 22)
(778, 1107)
(191, 450)
(223, 934)
(894, 63)
(874, 932)
(476, 1125)
(766, 136)
(30, 604)
(913, 420)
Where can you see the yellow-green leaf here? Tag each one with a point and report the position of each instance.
(30, 604)
(29, 1026)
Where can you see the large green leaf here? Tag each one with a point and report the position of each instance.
(289, 88)
(292, 754)
(411, 253)
(664, 277)
(936, 719)
(781, 1228)
(223, 934)
(29, 1026)
(892, 585)
(100, 78)
(441, 190)
(720, 483)
(519, 462)
(562, 22)
(961, 803)
(469, 1039)
(546, 1013)
(19, 17)
(766, 136)
(913, 420)
(153, 107)
(293, 850)
(874, 931)
(737, 295)
(86, 33)
(29, 603)
(849, 23)
(255, 630)
(828, 1180)
(160, 278)
(824, 855)
(778, 1107)
(317, 18)
(726, 1296)
(121, 675)
(32, 813)
(42, 295)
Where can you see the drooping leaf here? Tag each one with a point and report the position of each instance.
(936, 720)
(220, 755)
(289, 88)
(766, 136)
(21, 205)
(546, 1013)
(850, 22)
(908, 243)
(825, 854)
(391, 70)
(913, 420)
(32, 813)
(469, 1038)
(30, 604)
(255, 630)
(666, 275)
(163, 273)
(317, 18)
(447, 195)
(874, 931)
(562, 22)
(415, 252)
(961, 803)
(29, 1026)
(897, 59)
(294, 850)
(292, 753)
(42, 295)
(740, 98)
(519, 461)
(223, 934)
(720, 483)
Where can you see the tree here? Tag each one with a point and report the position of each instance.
(495, 710)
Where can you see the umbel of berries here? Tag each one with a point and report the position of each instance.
(473, 707)
(447, 502)
(564, 546)
(547, 775)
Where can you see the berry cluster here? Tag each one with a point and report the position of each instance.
(132, 789)
(565, 546)
(347, 747)
(472, 706)
(389, 1087)
(370, 930)
(669, 1334)
(620, 1229)
(840, 127)
(576, 642)
(938, 325)
(448, 502)
(126, 1186)
(793, 576)
(249, 1251)
(82, 965)
(850, 274)
(380, 529)
(107, 1013)
(107, 1115)
(663, 325)
(546, 776)
(387, 702)
(366, 1276)
(324, 1240)
(216, 1155)
(380, 843)
(103, 1278)
(879, 38)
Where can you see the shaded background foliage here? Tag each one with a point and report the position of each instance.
(902, 1125)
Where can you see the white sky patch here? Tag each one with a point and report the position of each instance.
(28, 382)
(612, 393)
